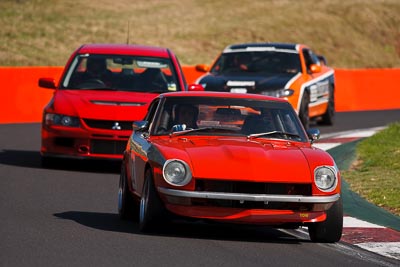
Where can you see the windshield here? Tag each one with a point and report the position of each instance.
(257, 62)
(227, 116)
(125, 73)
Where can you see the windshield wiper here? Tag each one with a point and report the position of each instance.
(204, 129)
(159, 91)
(100, 89)
(285, 134)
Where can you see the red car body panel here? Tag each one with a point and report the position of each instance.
(240, 159)
(243, 160)
(92, 105)
(248, 216)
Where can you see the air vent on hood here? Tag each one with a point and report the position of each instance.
(115, 103)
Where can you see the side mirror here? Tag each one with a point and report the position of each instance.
(47, 83)
(202, 68)
(315, 68)
(314, 134)
(195, 87)
(139, 125)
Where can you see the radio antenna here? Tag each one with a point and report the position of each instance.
(127, 39)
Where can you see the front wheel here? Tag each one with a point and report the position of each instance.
(151, 211)
(127, 208)
(329, 117)
(304, 110)
(330, 230)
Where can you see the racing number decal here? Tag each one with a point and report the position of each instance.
(319, 92)
(313, 93)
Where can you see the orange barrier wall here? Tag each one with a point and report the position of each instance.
(22, 99)
(369, 89)
(356, 90)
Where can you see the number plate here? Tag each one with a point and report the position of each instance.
(239, 90)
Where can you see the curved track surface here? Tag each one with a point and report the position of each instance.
(68, 217)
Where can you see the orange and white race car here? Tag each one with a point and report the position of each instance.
(290, 71)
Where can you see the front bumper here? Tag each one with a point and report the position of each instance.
(250, 197)
(269, 209)
(83, 143)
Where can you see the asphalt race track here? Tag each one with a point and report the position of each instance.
(68, 217)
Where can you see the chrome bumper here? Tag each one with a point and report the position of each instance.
(250, 197)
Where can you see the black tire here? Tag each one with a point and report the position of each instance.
(329, 117)
(304, 110)
(330, 230)
(127, 208)
(151, 210)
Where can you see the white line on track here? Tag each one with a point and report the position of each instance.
(353, 222)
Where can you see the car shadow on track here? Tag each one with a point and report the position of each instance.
(32, 159)
(183, 229)
(20, 158)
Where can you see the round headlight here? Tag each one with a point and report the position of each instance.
(325, 178)
(66, 120)
(69, 121)
(177, 172)
(58, 119)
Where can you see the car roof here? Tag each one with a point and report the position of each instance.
(222, 94)
(263, 47)
(124, 49)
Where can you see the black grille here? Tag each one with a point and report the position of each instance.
(253, 188)
(64, 141)
(107, 147)
(251, 204)
(105, 124)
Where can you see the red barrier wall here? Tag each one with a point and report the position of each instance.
(356, 90)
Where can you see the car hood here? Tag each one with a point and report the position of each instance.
(107, 105)
(242, 159)
(252, 82)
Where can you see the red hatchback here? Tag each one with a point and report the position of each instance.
(104, 87)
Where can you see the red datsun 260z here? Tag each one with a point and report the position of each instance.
(234, 158)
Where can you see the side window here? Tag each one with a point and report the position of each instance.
(151, 112)
(218, 66)
(180, 74)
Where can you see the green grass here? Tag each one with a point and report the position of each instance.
(351, 34)
(376, 172)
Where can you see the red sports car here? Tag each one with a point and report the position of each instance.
(237, 158)
(104, 87)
